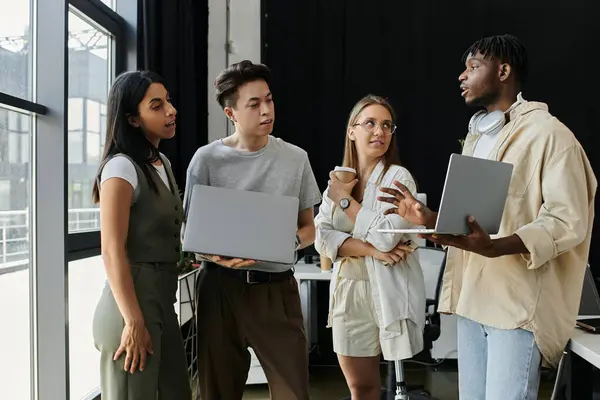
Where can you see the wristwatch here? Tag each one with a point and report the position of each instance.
(345, 203)
(298, 242)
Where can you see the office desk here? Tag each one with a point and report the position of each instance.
(307, 276)
(584, 355)
(586, 346)
(310, 272)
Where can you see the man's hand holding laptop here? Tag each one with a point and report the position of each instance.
(227, 262)
(412, 210)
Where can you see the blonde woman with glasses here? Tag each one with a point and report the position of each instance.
(377, 293)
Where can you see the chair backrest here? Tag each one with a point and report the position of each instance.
(432, 261)
(590, 302)
(589, 306)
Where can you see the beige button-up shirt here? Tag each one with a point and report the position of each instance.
(550, 206)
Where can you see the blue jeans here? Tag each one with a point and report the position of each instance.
(496, 364)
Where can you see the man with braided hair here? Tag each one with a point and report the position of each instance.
(516, 295)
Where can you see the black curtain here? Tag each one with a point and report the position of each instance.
(326, 54)
(173, 41)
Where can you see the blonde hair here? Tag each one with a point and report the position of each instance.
(350, 154)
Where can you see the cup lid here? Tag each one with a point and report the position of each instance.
(345, 169)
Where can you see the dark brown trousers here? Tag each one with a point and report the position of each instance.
(233, 315)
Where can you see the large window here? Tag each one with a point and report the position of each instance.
(15, 205)
(57, 61)
(16, 80)
(91, 69)
(93, 44)
(86, 281)
(15, 48)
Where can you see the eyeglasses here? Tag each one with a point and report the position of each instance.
(370, 125)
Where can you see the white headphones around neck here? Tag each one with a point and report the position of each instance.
(484, 123)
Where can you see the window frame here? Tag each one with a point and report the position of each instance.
(86, 244)
(17, 103)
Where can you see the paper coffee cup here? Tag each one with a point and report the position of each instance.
(345, 174)
(326, 264)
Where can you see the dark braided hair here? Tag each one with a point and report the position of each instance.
(504, 48)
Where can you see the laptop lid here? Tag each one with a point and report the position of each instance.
(241, 224)
(474, 186)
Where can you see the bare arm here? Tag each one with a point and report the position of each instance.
(356, 248)
(306, 227)
(509, 245)
(115, 201)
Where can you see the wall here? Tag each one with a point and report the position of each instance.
(411, 54)
(233, 25)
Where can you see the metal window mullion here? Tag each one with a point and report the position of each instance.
(49, 266)
(100, 13)
(21, 105)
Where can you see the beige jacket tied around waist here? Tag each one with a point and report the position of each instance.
(550, 206)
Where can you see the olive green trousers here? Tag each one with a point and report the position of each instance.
(165, 376)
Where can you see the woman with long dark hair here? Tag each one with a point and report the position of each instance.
(135, 325)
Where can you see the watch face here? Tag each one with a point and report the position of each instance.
(344, 203)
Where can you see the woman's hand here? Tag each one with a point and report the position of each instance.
(398, 254)
(338, 189)
(135, 342)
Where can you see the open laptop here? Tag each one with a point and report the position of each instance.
(474, 186)
(241, 224)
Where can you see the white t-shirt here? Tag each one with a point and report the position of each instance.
(484, 145)
(122, 167)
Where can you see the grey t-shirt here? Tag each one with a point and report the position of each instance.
(278, 168)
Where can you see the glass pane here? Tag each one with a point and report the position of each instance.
(86, 281)
(90, 66)
(93, 116)
(93, 146)
(13, 147)
(75, 149)
(111, 3)
(15, 42)
(75, 122)
(15, 191)
(5, 195)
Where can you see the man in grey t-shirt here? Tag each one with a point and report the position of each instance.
(241, 303)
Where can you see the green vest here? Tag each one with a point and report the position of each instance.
(155, 220)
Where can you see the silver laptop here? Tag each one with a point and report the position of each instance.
(241, 224)
(474, 186)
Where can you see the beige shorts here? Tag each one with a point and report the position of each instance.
(355, 329)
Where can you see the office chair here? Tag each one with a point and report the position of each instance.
(589, 306)
(396, 387)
